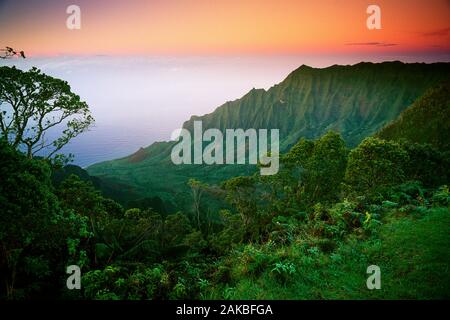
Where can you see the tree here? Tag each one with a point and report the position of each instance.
(243, 195)
(29, 213)
(81, 197)
(176, 227)
(136, 236)
(32, 103)
(299, 153)
(233, 232)
(197, 189)
(375, 164)
(326, 168)
(321, 166)
(426, 164)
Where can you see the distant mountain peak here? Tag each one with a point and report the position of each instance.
(303, 68)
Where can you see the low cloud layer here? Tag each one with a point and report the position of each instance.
(437, 33)
(375, 44)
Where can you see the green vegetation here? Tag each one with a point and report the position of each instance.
(273, 244)
(38, 235)
(411, 252)
(32, 103)
(426, 121)
(308, 232)
(355, 101)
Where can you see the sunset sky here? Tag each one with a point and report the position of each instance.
(225, 27)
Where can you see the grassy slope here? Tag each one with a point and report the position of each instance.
(425, 121)
(411, 252)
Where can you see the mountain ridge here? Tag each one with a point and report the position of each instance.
(309, 115)
(356, 101)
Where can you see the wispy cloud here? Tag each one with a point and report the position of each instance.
(437, 33)
(375, 44)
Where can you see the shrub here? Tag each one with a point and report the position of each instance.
(374, 165)
(284, 271)
(441, 197)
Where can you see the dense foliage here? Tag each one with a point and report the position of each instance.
(39, 235)
(32, 104)
(308, 232)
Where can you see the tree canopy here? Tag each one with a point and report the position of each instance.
(32, 104)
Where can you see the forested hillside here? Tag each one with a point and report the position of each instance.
(426, 121)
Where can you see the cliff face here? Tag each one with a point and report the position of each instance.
(354, 100)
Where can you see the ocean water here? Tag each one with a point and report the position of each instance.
(137, 100)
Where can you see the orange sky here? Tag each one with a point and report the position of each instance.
(222, 27)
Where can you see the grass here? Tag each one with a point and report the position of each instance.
(412, 253)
